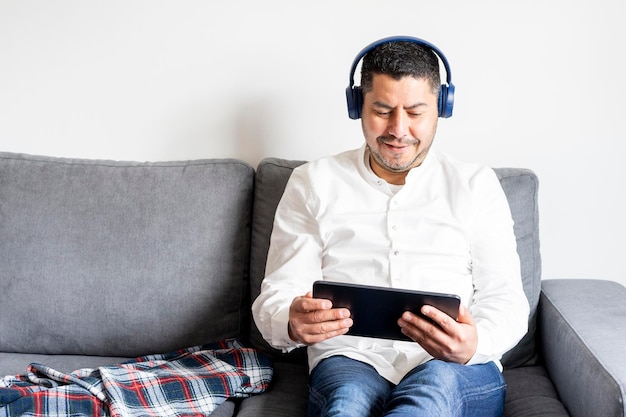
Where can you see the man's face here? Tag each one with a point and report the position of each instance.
(399, 121)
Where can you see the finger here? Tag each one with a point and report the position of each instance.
(338, 332)
(465, 316)
(413, 326)
(306, 304)
(330, 327)
(330, 315)
(438, 317)
(316, 332)
(429, 333)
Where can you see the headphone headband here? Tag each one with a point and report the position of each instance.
(354, 94)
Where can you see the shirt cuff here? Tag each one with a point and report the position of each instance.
(484, 350)
(280, 332)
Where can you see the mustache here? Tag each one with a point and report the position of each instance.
(392, 139)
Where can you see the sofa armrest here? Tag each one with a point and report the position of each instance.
(582, 327)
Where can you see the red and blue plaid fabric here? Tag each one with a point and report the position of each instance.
(188, 382)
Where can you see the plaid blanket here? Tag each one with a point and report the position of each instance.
(188, 382)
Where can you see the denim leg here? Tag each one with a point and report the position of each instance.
(445, 389)
(340, 386)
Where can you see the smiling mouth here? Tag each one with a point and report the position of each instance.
(395, 144)
(399, 147)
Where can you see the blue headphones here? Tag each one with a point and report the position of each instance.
(354, 94)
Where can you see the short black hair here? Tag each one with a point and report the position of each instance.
(400, 59)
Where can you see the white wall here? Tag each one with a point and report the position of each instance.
(539, 84)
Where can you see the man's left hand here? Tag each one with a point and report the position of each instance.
(445, 339)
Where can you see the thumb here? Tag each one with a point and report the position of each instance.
(464, 315)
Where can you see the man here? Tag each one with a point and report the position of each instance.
(397, 213)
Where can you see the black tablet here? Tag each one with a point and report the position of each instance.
(375, 310)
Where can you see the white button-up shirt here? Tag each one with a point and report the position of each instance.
(448, 229)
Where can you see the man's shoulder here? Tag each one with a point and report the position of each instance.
(464, 175)
(346, 160)
(463, 169)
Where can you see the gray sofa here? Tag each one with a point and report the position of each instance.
(103, 261)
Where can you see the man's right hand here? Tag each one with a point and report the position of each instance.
(313, 320)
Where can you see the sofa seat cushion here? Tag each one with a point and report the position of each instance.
(530, 393)
(286, 397)
(225, 409)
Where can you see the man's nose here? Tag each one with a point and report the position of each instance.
(398, 124)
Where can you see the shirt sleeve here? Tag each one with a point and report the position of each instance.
(293, 262)
(499, 306)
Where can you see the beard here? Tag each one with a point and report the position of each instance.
(393, 165)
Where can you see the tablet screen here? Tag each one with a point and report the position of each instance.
(375, 310)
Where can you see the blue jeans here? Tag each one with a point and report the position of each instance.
(340, 386)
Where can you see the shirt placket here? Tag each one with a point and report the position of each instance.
(397, 256)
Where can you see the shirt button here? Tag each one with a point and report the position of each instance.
(396, 253)
(394, 227)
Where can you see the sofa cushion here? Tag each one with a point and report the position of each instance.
(286, 397)
(121, 258)
(520, 187)
(530, 393)
(272, 175)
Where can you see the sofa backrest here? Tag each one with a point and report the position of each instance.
(121, 258)
(520, 187)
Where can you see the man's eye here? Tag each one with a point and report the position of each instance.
(382, 113)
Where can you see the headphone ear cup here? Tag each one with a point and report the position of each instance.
(354, 98)
(446, 100)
